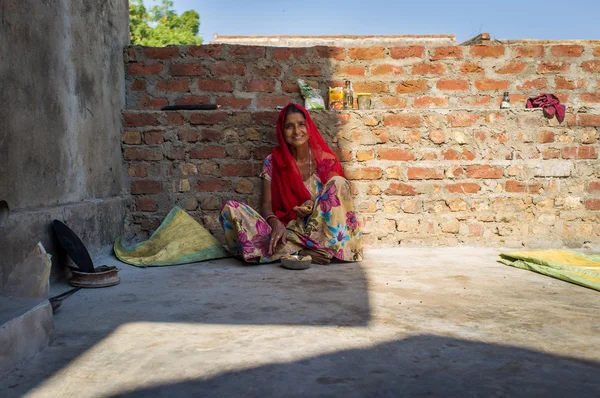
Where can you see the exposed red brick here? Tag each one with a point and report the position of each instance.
(563, 50)
(437, 137)
(475, 230)
(290, 86)
(463, 187)
(175, 153)
(307, 70)
(266, 117)
(425, 173)
(589, 120)
(132, 138)
(396, 154)
(551, 153)
(470, 68)
(352, 70)
(545, 137)
(462, 119)
(173, 85)
(484, 51)
(454, 52)
(208, 117)
(137, 68)
(450, 154)
(234, 103)
(370, 87)
(536, 51)
(592, 204)
(404, 52)
(207, 152)
(552, 67)
(187, 70)
(430, 102)
(537, 84)
(582, 152)
(215, 85)
(402, 120)
(272, 101)
(590, 98)
(260, 85)
(137, 170)
(475, 101)
(344, 155)
(366, 53)
(364, 173)
(146, 187)
(337, 53)
(393, 102)
(227, 68)
(208, 50)
(429, 155)
(512, 69)
(522, 187)
(412, 86)
(188, 135)
(239, 152)
(564, 84)
(142, 154)
(175, 118)
(452, 85)
(490, 84)
(597, 52)
(239, 170)
(152, 103)
(484, 171)
(213, 185)
(594, 186)
(162, 52)
(283, 54)
(429, 69)
(272, 70)
(145, 204)
(138, 85)
(247, 52)
(362, 156)
(210, 135)
(400, 189)
(193, 100)
(139, 119)
(386, 69)
(153, 137)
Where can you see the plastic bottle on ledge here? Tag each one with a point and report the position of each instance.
(348, 96)
(505, 101)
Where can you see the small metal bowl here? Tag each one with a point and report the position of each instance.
(103, 276)
(294, 262)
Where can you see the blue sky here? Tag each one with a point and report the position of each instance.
(503, 19)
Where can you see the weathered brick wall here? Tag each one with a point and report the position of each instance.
(445, 167)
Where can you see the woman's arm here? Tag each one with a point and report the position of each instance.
(278, 231)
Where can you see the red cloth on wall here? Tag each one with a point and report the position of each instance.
(551, 105)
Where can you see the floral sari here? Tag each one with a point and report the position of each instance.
(331, 229)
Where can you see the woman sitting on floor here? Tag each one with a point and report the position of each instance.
(307, 205)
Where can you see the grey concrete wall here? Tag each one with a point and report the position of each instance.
(62, 91)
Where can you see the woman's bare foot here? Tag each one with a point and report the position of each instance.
(317, 257)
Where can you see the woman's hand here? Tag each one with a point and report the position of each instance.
(278, 234)
(305, 209)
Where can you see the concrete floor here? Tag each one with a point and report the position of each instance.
(414, 322)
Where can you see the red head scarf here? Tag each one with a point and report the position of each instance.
(287, 188)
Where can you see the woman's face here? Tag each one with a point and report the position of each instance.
(294, 130)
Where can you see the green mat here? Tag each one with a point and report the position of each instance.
(180, 239)
(581, 269)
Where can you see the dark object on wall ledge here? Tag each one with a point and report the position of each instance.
(199, 107)
(74, 247)
(551, 105)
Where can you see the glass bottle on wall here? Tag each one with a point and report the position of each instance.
(348, 96)
(505, 101)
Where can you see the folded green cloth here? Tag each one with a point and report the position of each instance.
(581, 269)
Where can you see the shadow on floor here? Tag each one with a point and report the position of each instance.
(417, 366)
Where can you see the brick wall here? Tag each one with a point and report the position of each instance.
(435, 163)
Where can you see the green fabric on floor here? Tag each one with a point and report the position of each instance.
(581, 269)
(180, 239)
